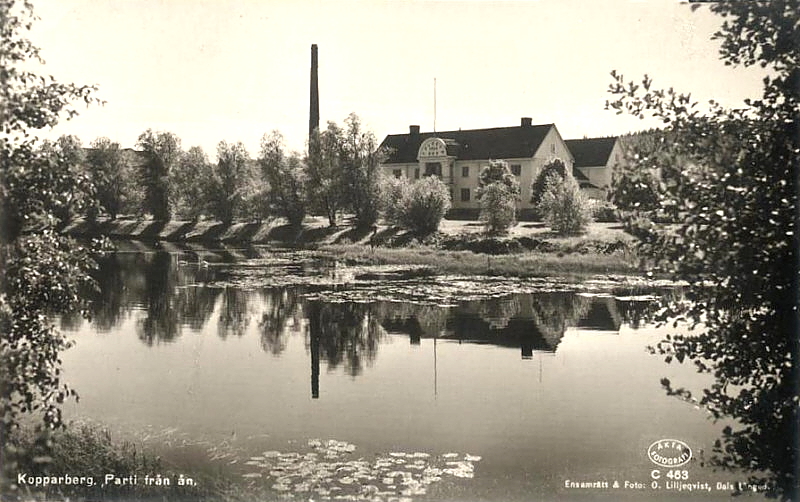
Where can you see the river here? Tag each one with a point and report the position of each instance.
(273, 367)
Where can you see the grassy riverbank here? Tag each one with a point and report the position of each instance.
(529, 250)
(86, 462)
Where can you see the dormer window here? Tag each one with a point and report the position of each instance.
(432, 147)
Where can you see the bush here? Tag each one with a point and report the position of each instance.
(554, 168)
(498, 208)
(418, 207)
(498, 192)
(424, 204)
(603, 211)
(564, 207)
(498, 172)
(393, 192)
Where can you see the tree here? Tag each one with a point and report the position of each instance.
(73, 192)
(108, 171)
(324, 172)
(45, 187)
(563, 205)
(424, 205)
(394, 193)
(192, 183)
(636, 190)
(286, 179)
(498, 193)
(230, 180)
(360, 164)
(731, 181)
(498, 172)
(498, 208)
(162, 151)
(555, 167)
(43, 271)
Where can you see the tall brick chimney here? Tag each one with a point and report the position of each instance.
(313, 116)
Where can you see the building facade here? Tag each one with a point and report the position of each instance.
(458, 157)
(595, 159)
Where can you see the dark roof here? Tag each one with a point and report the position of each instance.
(472, 144)
(581, 178)
(591, 152)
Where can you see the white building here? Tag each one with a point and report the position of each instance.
(458, 157)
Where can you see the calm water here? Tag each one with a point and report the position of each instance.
(546, 384)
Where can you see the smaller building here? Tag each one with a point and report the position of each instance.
(595, 159)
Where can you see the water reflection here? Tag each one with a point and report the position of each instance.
(170, 289)
(234, 316)
(161, 322)
(169, 292)
(348, 334)
(281, 317)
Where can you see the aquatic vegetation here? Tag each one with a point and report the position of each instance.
(329, 472)
(449, 291)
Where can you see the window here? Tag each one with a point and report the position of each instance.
(433, 169)
(465, 195)
(465, 171)
(516, 169)
(416, 173)
(398, 173)
(552, 148)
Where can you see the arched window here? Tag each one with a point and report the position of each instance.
(432, 147)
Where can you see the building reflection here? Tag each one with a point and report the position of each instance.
(531, 322)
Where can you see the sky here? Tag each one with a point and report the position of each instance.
(233, 70)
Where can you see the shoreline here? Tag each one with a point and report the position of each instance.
(530, 252)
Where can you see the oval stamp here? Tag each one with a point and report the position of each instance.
(669, 453)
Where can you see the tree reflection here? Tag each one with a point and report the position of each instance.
(233, 314)
(281, 306)
(555, 311)
(196, 304)
(636, 313)
(109, 301)
(497, 312)
(418, 321)
(348, 333)
(161, 321)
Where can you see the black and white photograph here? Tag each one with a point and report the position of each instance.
(399, 251)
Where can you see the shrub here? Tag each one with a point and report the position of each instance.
(424, 204)
(498, 207)
(555, 167)
(603, 211)
(394, 191)
(498, 192)
(564, 207)
(498, 172)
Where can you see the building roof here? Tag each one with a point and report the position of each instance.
(581, 178)
(591, 152)
(471, 144)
